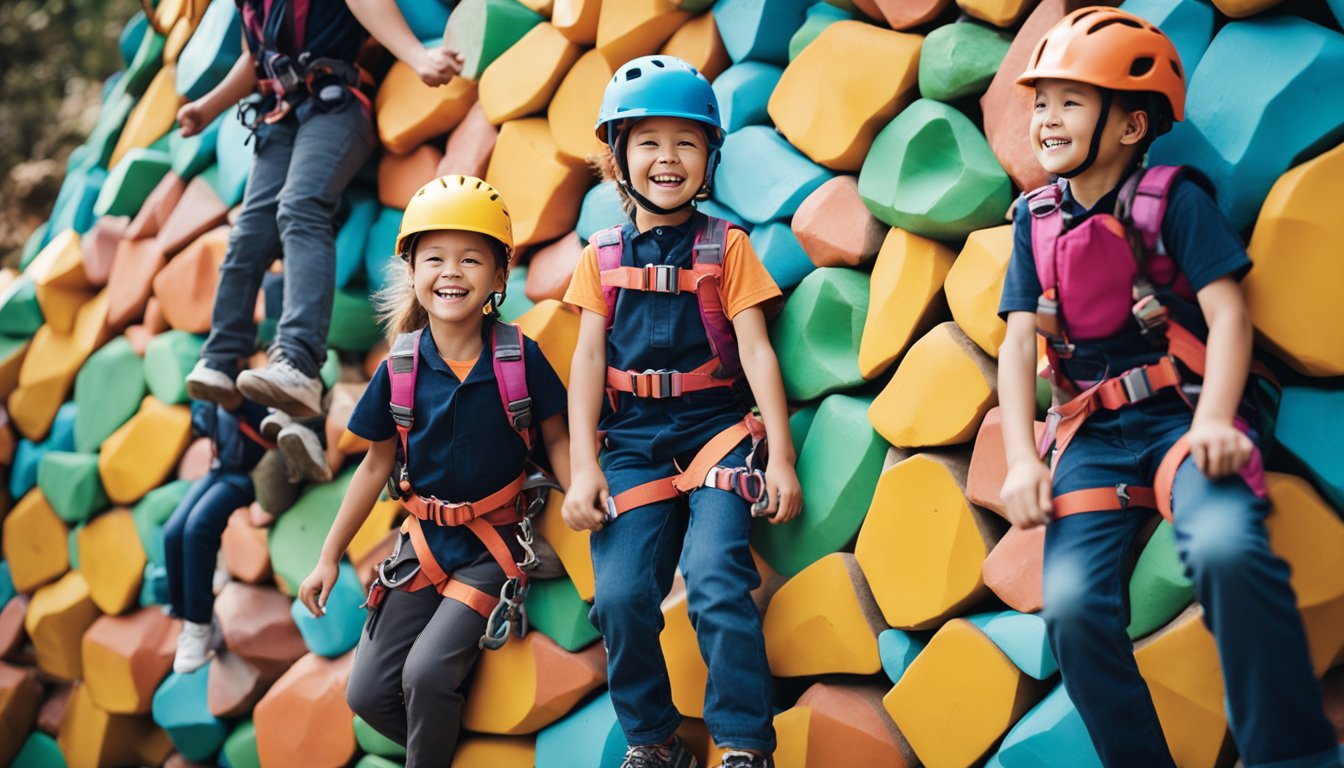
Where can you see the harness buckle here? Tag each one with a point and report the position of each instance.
(520, 413)
(659, 384)
(1152, 316)
(1122, 494)
(662, 278)
(403, 416)
(1135, 384)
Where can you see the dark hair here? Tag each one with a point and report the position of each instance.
(396, 305)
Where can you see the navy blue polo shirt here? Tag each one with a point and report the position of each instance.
(462, 447)
(234, 451)
(1199, 239)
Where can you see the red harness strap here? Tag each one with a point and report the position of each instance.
(661, 384)
(694, 476)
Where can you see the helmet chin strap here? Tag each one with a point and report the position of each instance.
(1106, 95)
(617, 144)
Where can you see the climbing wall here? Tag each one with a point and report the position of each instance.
(874, 148)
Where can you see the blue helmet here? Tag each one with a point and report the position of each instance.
(658, 86)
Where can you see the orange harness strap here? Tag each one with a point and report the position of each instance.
(1166, 474)
(433, 510)
(660, 384)
(655, 278)
(432, 574)
(694, 475)
(1103, 499)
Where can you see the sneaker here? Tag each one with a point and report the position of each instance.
(196, 645)
(274, 422)
(282, 386)
(303, 453)
(738, 759)
(673, 755)
(209, 385)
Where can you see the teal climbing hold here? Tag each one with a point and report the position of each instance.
(426, 18)
(839, 466)
(132, 35)
(375, 743)
(154, 586)
(817, 335)
(782, 255)
(1158, 588)
(380, 250)
(743, 91)
(759, 30)
(481, 30)
(39, 751)
(76, 203)
(152, 511)
(72, 485)
(191, 156)
(516, 303)
(588, 737)
(72, 544)
(1311, 429)
(719, 210)
(240, 748)
(375, 761)
(20, 314)
(959, 60)
(169, 357)
(108, 390)
(339, 628)
(763, 177)
(296, 538)
(1051, 733)
(131, 181)
(145, 64)
(117, 107)
(6, 584)
(555, 609)
(819, 17)
(1022, 638)
(354, 326)
(898, 648)
(931, 172)
(233, 157)
(180, 709)
(28, 455)
(354, 233)
(1289, 107)
(1188, 24)
(212, 51)
(601, 209)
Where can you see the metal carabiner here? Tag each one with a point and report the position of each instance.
(501, 620)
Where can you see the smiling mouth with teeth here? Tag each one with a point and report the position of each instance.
(660, 179)
(1052, 143)
(451, 293)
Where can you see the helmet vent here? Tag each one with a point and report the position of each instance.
(1176, 67)
(1141, 66)
(1104, 23)
(633, 73)
(658, 63)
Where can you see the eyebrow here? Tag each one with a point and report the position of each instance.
(639, 132)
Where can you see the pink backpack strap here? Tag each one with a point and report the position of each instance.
(403, 363)
(511, 376)
(1047, 222)
(609, 249)
(1149, 204)
(709, 253)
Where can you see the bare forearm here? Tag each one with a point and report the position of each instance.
(360, 496)
(1226, 366)
(236, 86)
(388, 26)
(761, 366)
(555, 434)
(587, 382)
(1017, 388)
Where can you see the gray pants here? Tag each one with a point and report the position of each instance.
(413, 658)
(302, 165)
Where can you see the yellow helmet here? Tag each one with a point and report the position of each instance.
(457, 202)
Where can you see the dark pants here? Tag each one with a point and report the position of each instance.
(1273, 699)
(191, 541)
(293, 195)
(412, 662)
(634, 559)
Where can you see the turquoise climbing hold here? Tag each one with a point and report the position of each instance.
(191, 156)
(426, 18)
(782, 255)
(1022, 638)
(132, 35)
(516, 304)
(759, 29)
(743, 91)
(1188, 24)
(380, 249)
(588, 737)
(210, 54)
(898, 648)
(353, 235)
(154, 586)
(233, 156)
(180, 709)
(555, 609)
(1051, 733)
(601, 209)
(1311, 429)
(763, 177)
(339, 628)
(39, 751)
(76, 203)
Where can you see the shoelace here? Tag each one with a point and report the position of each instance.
(647, 757)
(740, 760)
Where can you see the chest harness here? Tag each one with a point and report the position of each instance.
(516, 504)
(1096, 277)
(724, 369)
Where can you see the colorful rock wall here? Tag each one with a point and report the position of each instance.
(874, 149)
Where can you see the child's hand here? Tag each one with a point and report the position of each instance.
(314, 590)
(585, 507)
(1218, 448)
(193, 117)
(437, 66)
(784, 492)
(1027, 495)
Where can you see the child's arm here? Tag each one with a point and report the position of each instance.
(241, 80)
(1026, 487)
(1219, 448)
(360, 497)
(586, 501)
(555, 434)
(385, 21)
(762, 370)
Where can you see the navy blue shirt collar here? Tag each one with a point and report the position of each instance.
(430, 353)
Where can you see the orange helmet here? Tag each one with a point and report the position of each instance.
(1110, 48)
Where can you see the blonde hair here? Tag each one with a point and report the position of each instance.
(396, 306)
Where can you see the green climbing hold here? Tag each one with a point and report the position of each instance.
(819, 17)
(374, 742)
(1158, 589)
(240, 748)
(20, 314)
(516, 302)
(108, 391)
(131, 181)
(483, 29)
(152, 511)
(374, 761)
(817, 335)
(169, 357)
(39, 751)
(960, 59)
(354, 327)
(931, 172)
(71, 484)
(555, 608)
(296, 538)
(146, 63)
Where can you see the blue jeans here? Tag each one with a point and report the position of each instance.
(191, 541)
(293, 194)
(1273, 698)
(634, 559)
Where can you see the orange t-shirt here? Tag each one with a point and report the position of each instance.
(461, 368)
(745, 284)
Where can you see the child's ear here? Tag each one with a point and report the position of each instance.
(1136, 127)
(501, 280)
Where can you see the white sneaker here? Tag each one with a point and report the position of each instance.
(303, 453)
(274, 422)
(282, 386)
(211, 386)
(196, 645)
